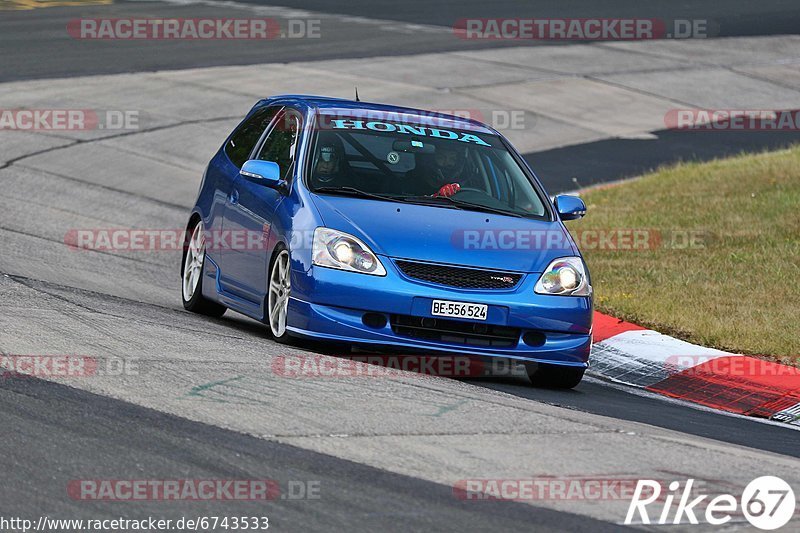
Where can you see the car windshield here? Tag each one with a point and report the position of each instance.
(431, 165)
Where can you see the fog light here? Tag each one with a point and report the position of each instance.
(374, 320)
(428, 322)
(534, 338)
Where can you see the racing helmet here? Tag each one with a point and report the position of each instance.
(450, 159)
(329, 158)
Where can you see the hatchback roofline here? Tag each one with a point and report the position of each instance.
(328, 102)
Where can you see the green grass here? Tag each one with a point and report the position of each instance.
(738, 290)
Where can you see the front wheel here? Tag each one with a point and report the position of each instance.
(554, 376)
(280, 285)
(194, 257)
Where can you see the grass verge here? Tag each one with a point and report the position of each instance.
(707, 252)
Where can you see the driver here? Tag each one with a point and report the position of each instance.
(448, 167)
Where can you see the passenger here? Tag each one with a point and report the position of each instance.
(329, 170)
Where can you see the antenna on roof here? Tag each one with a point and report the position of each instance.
(357, 100)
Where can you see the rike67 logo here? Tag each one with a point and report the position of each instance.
(768, 503)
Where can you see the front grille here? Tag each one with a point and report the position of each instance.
(461, 277)
(454, 331)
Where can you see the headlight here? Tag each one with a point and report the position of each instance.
(335, 249)
(564, 277)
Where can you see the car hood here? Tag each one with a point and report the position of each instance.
(443, 235)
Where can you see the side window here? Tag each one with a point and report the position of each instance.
(247, 135)
(281, 143)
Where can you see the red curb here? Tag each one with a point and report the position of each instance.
(737, 384)
(728, 382)
(605, 327)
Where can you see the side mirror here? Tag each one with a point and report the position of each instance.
(569, 207)
(265, 172)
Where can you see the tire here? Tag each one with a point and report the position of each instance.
(278, 290)
(554, 376)
(192, 267)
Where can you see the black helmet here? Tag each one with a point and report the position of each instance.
(460, 155)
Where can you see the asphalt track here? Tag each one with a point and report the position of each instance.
(31, 37)
(569, 168)
(732, 18)
(32, 48)
(135, 428)
(53, 434)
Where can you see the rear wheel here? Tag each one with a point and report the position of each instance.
(554, 376)
(194, 257)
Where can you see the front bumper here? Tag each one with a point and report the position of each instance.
(330, 304)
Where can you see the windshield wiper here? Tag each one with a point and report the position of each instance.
(442, 201)
(428, 200)
(460, 204)
(352, 191)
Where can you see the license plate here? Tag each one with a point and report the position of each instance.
(459, 309)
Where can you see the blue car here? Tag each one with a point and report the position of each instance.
(388, 227)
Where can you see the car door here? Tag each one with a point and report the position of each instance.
(224, 170)
(249, 210)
